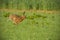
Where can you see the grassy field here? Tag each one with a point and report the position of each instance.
(31, 4)
(37, 26)
(42, 20)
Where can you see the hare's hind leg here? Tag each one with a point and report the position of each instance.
(15, 22)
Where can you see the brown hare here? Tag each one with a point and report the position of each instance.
(16, 18)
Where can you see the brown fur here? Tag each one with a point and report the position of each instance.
(16, 19)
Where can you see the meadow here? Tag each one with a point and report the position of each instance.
(36, 26)
(31, 4)
(42, 20)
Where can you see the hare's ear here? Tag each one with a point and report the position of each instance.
(24, 13)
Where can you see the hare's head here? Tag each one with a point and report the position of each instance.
(23, 17)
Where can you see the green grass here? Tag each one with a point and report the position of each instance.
(31, 4)
(43, 27)
(36, 26)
